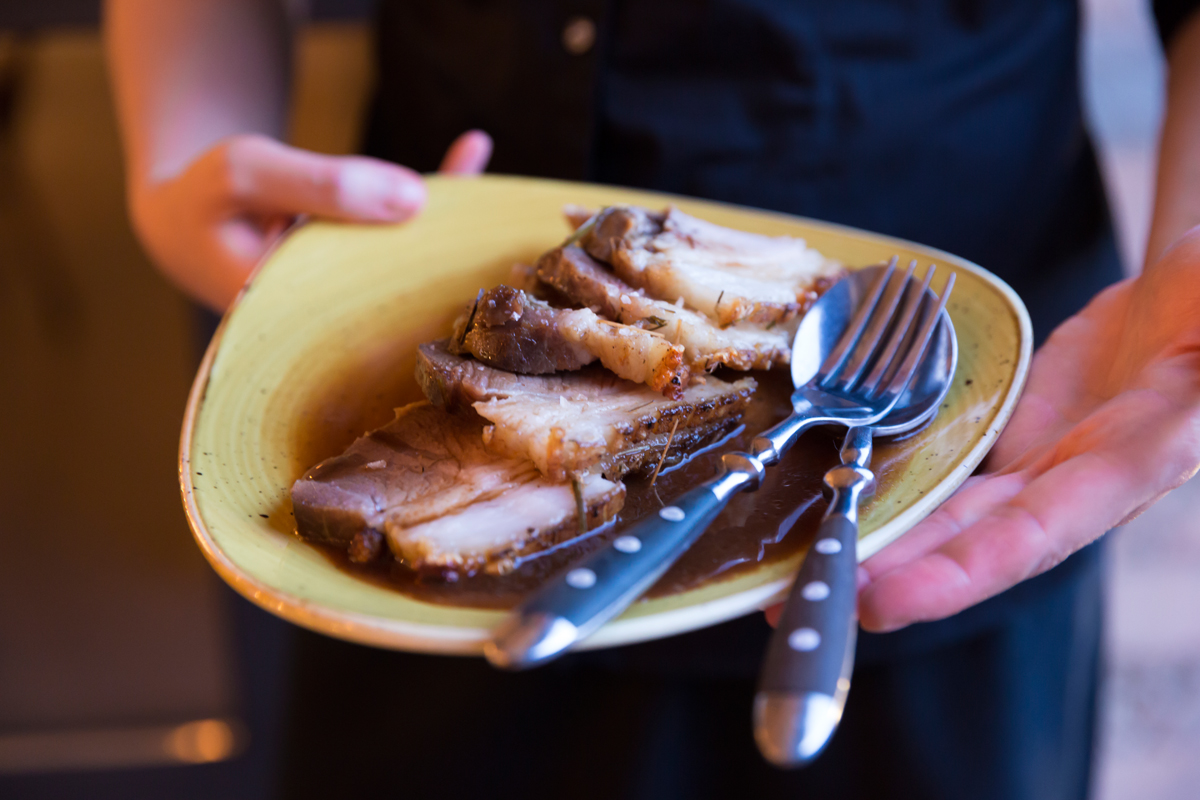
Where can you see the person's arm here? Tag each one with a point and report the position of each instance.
(1109, 421)
(201, 89)
(1177, 199)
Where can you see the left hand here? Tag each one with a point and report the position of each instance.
(1109, 422)
(208, 226)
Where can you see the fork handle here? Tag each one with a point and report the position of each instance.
(806, 675)
(577, 601)
(770, 445)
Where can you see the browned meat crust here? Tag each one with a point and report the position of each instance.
(587, 282)
(620, 228)
(454, 383)
(510, 330)
(645, 456)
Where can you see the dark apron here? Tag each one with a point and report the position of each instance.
(955, 123)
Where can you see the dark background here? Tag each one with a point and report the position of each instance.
(118, 643)
(37, 15)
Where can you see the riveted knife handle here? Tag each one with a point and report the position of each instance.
(806, 674)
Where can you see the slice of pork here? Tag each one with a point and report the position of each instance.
(511, 330)
(587, 282)
(445, 503)
(584, 421)
(726, 274)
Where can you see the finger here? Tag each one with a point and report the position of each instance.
(1059, 388)
(247, 240)
(973, 501)
(1035, 420)
(1100, 474)
(468, 155)
(1004, 547)
(274, 227)
(242, 242)
(259, 175)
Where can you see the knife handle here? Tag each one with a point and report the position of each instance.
(806, 675)
(577, 601)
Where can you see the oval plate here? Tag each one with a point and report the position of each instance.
(320, 347)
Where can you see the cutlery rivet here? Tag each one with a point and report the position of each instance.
(804, 640)
(829, 546)
(628, 544)
(817, 590)
(581, 578)
(672, 514)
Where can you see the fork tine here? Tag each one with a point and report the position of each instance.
(887, 360)
(908, 368)
(868, 343)
(862, 314)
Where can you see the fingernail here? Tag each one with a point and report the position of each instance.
(371, 192)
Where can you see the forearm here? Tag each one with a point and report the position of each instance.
(201, 95)
(1177, 199)
(187, 73)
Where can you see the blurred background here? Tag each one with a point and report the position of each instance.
(117, 675)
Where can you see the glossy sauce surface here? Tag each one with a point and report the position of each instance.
(769, 525)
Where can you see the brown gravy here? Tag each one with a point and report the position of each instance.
(766, 526)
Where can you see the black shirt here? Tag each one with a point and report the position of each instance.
(956, 123)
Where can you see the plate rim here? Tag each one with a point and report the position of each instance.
(449, 640)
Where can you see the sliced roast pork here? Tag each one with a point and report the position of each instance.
(444, 503)
(509, 329)
(584, 281)
(728, 275)
(574, 423)
(513, 331)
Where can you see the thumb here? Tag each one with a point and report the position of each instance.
(468, 154)
(268, 177)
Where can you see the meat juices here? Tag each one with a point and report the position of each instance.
(764, 527)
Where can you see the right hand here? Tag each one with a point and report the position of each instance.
(210, 225)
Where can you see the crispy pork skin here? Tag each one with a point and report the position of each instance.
(728, 275)
(445, 503)
(492, 534)
(584, 421)
(584, 281)
(509, 329)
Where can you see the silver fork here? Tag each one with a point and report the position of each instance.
(875, 341)
(806, 672)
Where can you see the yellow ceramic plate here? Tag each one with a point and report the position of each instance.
(320, 347)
